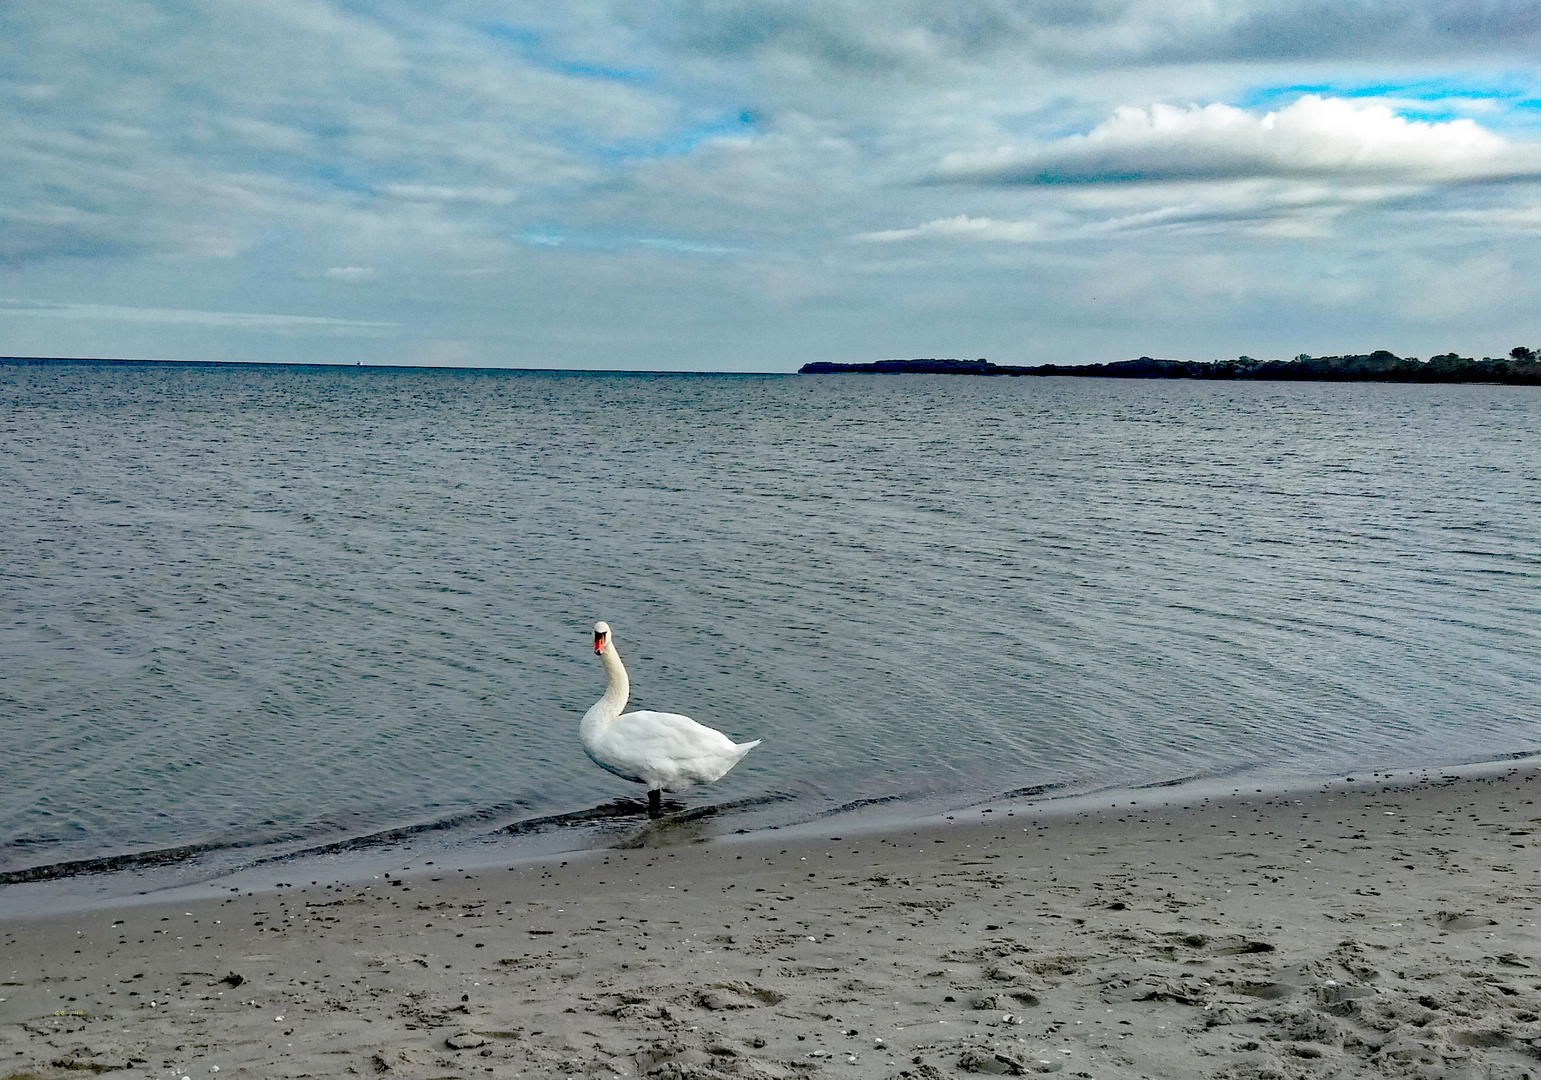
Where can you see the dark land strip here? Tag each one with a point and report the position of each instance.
(1379, 366)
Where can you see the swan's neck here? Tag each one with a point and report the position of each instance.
(617, 690)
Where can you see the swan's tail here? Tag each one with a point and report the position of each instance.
(745, 747)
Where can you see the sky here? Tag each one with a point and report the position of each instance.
(751, 186)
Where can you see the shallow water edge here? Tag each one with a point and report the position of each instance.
(162, 876)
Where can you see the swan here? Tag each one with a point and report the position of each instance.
(665, 751)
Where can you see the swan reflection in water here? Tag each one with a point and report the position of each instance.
(667, 830)
(615, 821)
(665, 751)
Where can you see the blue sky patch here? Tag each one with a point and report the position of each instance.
(681, 142)
(1433, 99)
(529, 45)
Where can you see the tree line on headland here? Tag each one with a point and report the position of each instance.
(1521, 367)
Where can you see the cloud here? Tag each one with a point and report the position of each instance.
(1436, 291)
(962, 227)
(1313, 138)
(211, 129)
(688, 247)
(444, 193)
(235, 320)
(1261, 208)
(1368, 29)
(926, 40)
(1292, 173)
(1505, 220)
(544, 180)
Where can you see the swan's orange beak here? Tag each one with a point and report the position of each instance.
(599, 644)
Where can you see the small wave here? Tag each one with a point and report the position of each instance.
(110, 863)
(858, 804)
(1029, 792)
(1181, 780)
(615, 808)
(391, 836)
(140, 860)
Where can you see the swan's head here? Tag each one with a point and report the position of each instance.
(601, 636)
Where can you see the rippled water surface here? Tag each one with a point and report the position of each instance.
(279, 607)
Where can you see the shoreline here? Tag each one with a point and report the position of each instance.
(62, 888)
(574, 834)
(1382, 927)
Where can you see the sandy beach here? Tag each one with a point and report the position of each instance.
(1381, 927)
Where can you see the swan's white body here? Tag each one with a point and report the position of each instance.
(665, 751)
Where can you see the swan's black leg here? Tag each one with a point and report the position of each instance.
(654, 803)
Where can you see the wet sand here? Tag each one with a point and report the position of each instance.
(1386, 927)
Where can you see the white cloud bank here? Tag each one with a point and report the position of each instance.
(1314, 138)
(1294, 172)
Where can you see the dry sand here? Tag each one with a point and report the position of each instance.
(1377, 928)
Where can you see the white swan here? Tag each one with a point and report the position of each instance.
(665, 751)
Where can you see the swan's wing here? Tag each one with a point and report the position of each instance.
(671, 747)
(671, 733)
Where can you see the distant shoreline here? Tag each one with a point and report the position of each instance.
(1380, 366)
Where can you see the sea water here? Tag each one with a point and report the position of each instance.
(255, 611)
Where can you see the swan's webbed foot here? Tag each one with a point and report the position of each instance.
(655, 803)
